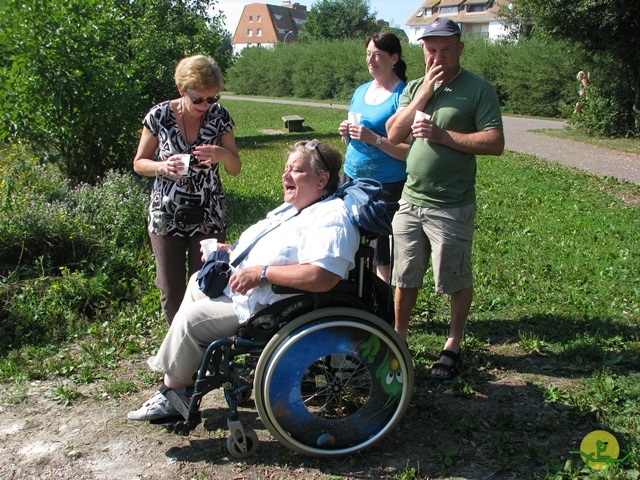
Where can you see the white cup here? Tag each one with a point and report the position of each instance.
(183, 158)
(420, 115)
(208, 245)
(354, 118)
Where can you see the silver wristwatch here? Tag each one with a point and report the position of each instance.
(263, 276)
(378, 141)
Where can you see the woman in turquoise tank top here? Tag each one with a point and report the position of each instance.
(369, 154)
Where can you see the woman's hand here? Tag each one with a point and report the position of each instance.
(170, 168)
(224, 246)
(244, 279)
(208, 154)
(343, 129)
(362, 134)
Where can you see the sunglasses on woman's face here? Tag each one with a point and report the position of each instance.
(199, 100)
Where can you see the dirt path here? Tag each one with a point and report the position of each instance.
(92, 439)
(446, 433)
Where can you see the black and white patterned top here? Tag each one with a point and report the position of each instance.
(202, 185)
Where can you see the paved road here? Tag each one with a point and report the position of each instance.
(520, 138)
(601, 161)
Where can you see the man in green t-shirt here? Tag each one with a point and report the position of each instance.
(452, 115)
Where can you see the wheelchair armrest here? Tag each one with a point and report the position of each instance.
(343, 286)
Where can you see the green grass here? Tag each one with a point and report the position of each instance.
(630, 145)
(553, 339)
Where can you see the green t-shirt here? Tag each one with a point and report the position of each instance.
(438, 176)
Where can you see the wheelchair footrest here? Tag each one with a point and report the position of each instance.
(179, 425)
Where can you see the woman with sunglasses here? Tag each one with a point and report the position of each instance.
(369, 154)
(187, 202)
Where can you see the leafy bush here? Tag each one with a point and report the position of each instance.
(319, 70)
(601, 114)
(49, 219)
(66, 251)
(78, 76)
(537, 77)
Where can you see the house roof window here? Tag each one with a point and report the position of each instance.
(477, 8)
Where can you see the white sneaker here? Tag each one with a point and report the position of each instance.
(158, 406)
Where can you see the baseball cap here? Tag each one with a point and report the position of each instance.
(441, 27)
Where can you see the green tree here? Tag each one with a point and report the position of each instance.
(78, 75)
(339, 19)
(608, 28)
(398, 32)
(225, 50)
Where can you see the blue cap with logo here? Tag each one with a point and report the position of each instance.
(441, 27)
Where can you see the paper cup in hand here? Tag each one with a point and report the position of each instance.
(184, 159)
(354, 118)
(209, 245)
(420, 115)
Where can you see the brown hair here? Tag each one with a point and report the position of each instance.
(390, 43)
(323, 158)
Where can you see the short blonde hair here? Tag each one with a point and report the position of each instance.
(199, 72)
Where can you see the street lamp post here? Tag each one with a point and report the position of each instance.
(290, 32)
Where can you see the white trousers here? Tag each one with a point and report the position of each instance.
(199, 321)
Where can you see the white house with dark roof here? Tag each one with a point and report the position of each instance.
(475, 17)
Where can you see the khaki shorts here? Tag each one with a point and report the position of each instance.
(443, 234)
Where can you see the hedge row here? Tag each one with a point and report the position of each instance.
(531, 78)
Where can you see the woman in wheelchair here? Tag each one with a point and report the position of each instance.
(308, 243)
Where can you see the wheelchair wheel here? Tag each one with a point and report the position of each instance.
(333, 381)
(251, 445)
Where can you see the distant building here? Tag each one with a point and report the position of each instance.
(475, 17)
(265, 25)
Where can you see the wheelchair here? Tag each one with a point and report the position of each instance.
(329, 375)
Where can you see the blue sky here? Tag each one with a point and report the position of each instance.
(395, 12)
